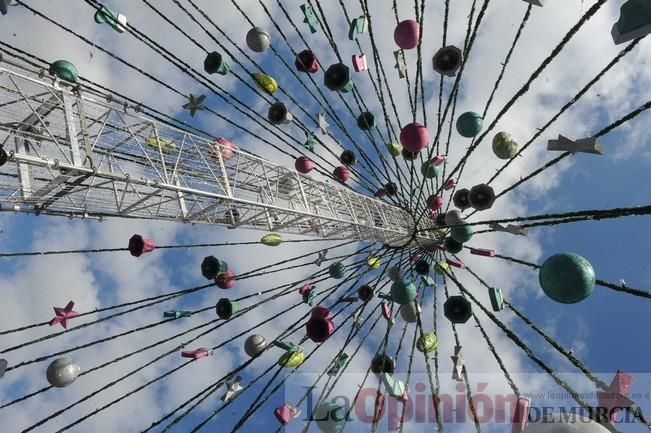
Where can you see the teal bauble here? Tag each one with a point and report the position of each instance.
(330, 417)
(567, 278)
(64, 70)
(469, 124)
(336, 270)
(428, 170)
(462, 233)
(452, 246)
(403, 291)
(504, 146)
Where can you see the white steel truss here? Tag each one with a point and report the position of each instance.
(72, 155)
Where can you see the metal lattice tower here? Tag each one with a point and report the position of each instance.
(72, 155)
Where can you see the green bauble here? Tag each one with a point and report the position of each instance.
(64, 70)
(567, 278)
(428, 170)
(395, 149)
(504, 146)
(330, 417)
(469, 124)
(337, 270)
(428, 342)
(403, 291)
(438, 234)
(461, 233)
(452, 246)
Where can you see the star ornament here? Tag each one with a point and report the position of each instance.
(457, 359)
(194, 104)
(615, 398)
(62, 315)
(232, 389)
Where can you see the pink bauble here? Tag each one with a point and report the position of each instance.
(406, 34)
(414, 137)
(226, 147)
(341, 173)
(321, 312)
(303, 164)
(225, 280)
(435, 202)
(319, 329)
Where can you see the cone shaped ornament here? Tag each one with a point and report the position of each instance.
(225, 308)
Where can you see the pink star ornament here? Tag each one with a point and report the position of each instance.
(62, 315)
(615, 398)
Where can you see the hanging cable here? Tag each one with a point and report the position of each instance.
(518, 342)
(525, 88)
(518, 34)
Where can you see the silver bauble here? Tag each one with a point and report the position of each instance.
(254, 345)
(394, 273)
(453, 217)
(62, 372)
(409, 312)
(258, 39)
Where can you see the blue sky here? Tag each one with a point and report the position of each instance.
(606, 331)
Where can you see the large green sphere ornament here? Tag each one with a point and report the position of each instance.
(567, 278)
(504, 146)
(403, 291)
(336, 270)
(428, 342)
(462, 233)
(469, 124)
